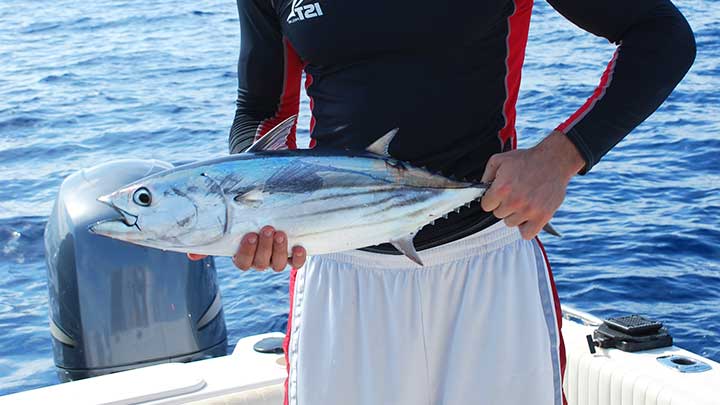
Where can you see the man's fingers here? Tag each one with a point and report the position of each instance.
(246, 252)
(298, 257)
(491, 169)
(505, 209)
(494, 196)
(268, 249)
(264, 249)
(279, 260)
(195, 257)
(530, 229)
(514, 219)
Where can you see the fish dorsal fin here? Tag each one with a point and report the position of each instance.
(276, 139)
(382, 145)
(405, 246)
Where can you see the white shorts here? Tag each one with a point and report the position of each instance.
(478, 324)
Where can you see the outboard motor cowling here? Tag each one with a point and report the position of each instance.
(114, 305)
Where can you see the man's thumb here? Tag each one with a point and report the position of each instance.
(491, 168)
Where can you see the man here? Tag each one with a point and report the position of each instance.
(480, 323)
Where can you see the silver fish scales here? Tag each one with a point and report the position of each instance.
(325, 202)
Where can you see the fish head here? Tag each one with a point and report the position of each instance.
(166, 212)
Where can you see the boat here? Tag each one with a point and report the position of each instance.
(610, 376)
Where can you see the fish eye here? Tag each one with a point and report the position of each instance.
(142, 197)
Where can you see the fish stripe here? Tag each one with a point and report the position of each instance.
(383, 209)
(331, 195)
(340, 209)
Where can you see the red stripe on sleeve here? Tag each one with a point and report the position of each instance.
(290, 98)
(518, 26)
(598, 94)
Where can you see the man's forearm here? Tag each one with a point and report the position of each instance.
(562, 153)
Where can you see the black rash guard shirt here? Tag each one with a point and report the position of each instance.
(447, 73)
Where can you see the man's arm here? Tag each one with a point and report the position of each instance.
(656, 49)
(269, 74)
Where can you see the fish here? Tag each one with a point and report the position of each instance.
(325, 201)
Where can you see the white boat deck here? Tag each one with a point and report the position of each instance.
(614, 377)
(609, 377)
(172, 383)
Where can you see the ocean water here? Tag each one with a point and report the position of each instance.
(85, 82)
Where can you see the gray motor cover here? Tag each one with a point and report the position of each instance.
(114, 305)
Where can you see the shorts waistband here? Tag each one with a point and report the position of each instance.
(483, 242)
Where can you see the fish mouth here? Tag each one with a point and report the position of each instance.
(128, 218)
(110, 226)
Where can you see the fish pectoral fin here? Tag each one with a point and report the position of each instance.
(253, 197)
(276, 139)
(405, 246)
(382, 145)
(549, 229)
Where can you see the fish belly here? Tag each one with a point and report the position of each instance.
(346, 224)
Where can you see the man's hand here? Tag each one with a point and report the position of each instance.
(528, 185)
(269, 249)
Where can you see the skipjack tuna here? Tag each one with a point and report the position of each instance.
(325, 202)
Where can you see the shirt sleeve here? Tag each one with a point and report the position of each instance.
(269, 75)
(656, 47)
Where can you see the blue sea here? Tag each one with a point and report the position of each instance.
(86, 82)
